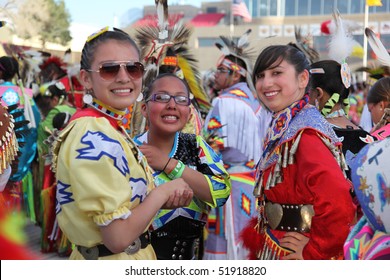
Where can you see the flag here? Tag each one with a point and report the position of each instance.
(239, 9)
(374, 2)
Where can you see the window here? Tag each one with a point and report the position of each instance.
(211, 10)
(316, 7)
(273, 8)
(263, 8)
(303, 7)
(357, 6)
(255, 8)
(328, 7)
(290, 7)
(384, 8)
(342, 6)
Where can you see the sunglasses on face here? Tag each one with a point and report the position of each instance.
(109, 70)
(164, 97)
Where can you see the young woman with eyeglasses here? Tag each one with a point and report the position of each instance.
(106, 197)
(177, 234)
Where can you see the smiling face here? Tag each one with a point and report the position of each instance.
(280, 85)
(122, 90)
(167, 118)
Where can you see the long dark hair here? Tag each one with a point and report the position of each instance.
(330, 81)
(274, 55)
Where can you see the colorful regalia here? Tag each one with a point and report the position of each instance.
(12, 236)
(235, 129)
(52, 238)
(20, 185)
(301, 187)
(370, 238)
(112, 178)
(178, 234)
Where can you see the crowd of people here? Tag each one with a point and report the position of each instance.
(266, 160)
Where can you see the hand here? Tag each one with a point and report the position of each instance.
(154, 156)
(179, 194)
(296, 242)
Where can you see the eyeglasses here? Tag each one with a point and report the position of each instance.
(109, 70)
(222, 70)
(164, 97)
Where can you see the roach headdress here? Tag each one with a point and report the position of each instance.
(165, 46)
(237, 48)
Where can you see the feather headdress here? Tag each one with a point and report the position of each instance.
(380, 51)
(303, 44)
(383, 58)
(240, 50)
(157, 41)
(340, 48)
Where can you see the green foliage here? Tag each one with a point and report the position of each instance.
(56, 28)
(48, 20)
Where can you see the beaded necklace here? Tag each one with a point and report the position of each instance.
(111, 112)
(335, 114)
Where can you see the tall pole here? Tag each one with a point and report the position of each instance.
(231, 20)
(365, 47)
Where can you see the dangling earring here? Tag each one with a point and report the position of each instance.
(317, 104)
(87, 98)
(140, 97)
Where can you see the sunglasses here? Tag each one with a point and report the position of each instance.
(165, 98)
(109, 70)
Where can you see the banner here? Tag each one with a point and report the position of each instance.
(240, 9)
(374, 2)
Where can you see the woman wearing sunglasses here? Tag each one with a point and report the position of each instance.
(105, 190)
(177, 234)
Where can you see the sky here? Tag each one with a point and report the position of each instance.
(88, 16)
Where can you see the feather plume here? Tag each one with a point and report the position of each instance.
(340, 38)
(303, 45)
(223, 49)
(243, 41)
(155, 42)
(193, 78)
(162, 18)
(377, 46)
(238, 49)
(180, 34)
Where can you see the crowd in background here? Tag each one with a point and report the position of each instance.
(137, 156)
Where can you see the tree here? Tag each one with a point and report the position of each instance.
(49, 20)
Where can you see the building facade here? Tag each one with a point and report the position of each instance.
(273, 22)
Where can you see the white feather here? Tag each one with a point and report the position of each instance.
(244, 39)
(377, 46)
(341, 43)
(162, 22)
(73, 70)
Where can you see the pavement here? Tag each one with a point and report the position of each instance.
(33, 233)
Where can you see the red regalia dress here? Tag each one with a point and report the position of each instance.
(300, 187)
